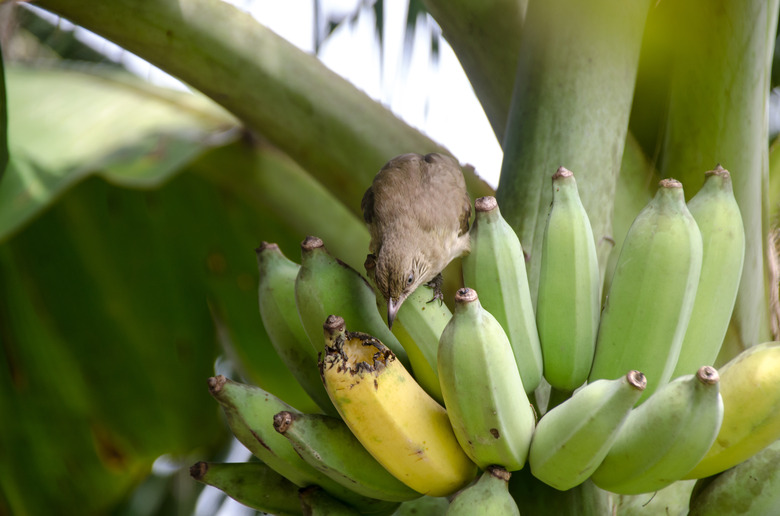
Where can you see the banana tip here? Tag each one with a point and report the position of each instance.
(708, 375)
(311, 242)
(466, 295)
(216, 383)
(199, 470)
(282, 421)
(562, 172)
(637, 379)
(487, 203)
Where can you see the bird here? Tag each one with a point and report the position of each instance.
(417, 210)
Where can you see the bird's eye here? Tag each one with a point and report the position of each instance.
(410, 279)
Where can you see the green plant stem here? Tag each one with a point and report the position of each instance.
(719, 85)
(570, 107)
(485, 36)
(332, 129)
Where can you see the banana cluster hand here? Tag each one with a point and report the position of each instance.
(432, 416)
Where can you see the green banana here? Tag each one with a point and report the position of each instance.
(750, 386)
(495, 268)
(278, 311)
(325, 286)
(316, 502)
(418, 327)
(327, 444)
(426, 505)
(665, 437)
(483, 392)
(652, 292)
(568, 300)
(488, 496)
(250, 411)
(752, 487)
(573, 438)
(723, 237)
(253, 484)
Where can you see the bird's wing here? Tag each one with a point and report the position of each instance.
(367, 205)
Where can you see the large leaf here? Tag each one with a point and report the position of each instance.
(67, 124)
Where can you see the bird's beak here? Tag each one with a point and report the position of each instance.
(392, 311)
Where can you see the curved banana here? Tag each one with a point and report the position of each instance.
(652, 292)
(250, 414)
(483, 392)
(495, 268)
(276, 293)
(327, 444)
(664, 437)
(325, 285)
(316, 502)
(573, 438)
(390, 414)
(568, 302)
(253, 484)
(489, 496)
(750, 386)
(723, 237)
(751, 487)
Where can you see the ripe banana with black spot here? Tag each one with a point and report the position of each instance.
(750, 387)
(253, 484)
(489, 496)
(483, 392)
(276, 293)
(405, 429)
(325, 285)
(327, 444)
(495, 268)
(568, 301)
(664, 437)
(652, 292)
(573, 438)
(751, 487)
(723, 237)
(250, 414)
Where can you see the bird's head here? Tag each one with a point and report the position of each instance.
(397, 275)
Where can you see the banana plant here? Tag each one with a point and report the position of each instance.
(128, 212)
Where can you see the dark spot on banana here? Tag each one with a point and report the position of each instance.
(494, 433)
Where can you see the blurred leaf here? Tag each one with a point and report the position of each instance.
(3, 121)
(67, 123)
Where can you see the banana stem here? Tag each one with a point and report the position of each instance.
(332, 129)
(570, 107)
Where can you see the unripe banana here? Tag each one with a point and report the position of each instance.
(750, 386)
(751, 487)
(425, 506)
(573, 438)
(250, 411)
(316, 502)
(483, 392)
(664, 437)
(279, 313)
(723, 237)
(495, 268)
(253, 484)
(568, 301)
(325, 285)
(652, 292)
(391, 415)
(489, 496)
(327, 444)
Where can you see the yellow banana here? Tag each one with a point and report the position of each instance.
(652, 292)
(495, 268)
(568, 302)
(750, 386)
(391, 415)
(723, 237)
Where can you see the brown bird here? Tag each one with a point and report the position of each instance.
(417, 211)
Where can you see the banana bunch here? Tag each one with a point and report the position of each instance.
(431, 417)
